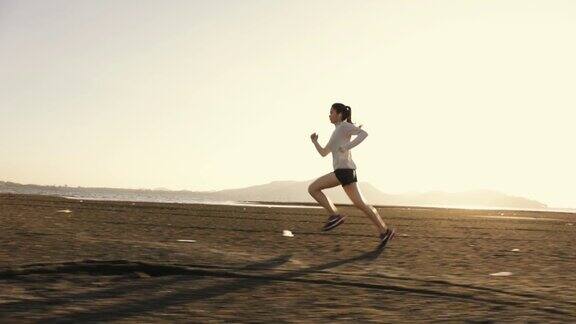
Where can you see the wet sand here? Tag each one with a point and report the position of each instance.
(122, 261)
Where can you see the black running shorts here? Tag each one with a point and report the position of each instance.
(346, 176)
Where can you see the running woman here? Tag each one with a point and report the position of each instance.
(344, 172)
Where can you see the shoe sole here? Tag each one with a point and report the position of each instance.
(386, 240)
(334, 224)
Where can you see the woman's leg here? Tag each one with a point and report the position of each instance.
(355, 195)
(315, 189)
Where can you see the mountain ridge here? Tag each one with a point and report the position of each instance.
(289, 191)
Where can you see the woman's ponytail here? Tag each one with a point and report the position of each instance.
(349, 114)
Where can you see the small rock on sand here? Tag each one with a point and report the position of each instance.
(501, 274)
(141, 275)
(287, 233)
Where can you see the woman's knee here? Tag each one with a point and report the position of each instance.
(312, 189)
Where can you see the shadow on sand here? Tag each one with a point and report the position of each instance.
(171, 279)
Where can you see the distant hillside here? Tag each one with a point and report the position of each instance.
(294, 191)
(286, 191)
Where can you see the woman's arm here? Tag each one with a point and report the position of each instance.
(360, 136)
(322, 150)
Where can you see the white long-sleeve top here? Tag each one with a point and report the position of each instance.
(341, 138)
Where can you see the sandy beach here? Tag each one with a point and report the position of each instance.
(66, 260)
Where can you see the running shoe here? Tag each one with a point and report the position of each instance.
(386, 237)
(333, 221)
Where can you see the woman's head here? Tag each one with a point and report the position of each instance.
(340, 112)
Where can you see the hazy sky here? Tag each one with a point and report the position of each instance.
(208, 95)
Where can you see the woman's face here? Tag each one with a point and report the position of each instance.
(334, 116)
